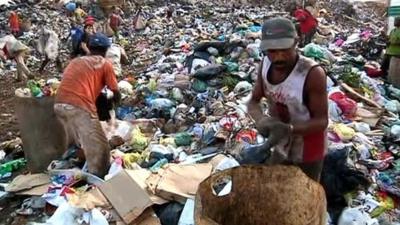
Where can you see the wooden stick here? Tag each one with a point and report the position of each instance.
(355, 94)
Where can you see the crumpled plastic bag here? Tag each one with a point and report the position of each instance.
(183, 139)
(139, 140)
(254, 50)
(243, 87)
(334, 111)
(344, 132)
(392, 106)
(199, 86)
(209, 71)
(315, 51)
(362, 127)
(125, 87)
(356, 216)
(347, 105)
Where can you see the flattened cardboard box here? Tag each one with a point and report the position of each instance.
(126, 196)
(178, 182)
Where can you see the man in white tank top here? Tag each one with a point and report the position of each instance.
(295, 89)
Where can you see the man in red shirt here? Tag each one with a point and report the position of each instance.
(308, 25)
(82, 82)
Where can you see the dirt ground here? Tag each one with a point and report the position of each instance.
(8, 123)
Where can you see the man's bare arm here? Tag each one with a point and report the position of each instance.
(253, 105)
(317, 103)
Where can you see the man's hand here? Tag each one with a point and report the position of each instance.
(116, 98)
(274, 130)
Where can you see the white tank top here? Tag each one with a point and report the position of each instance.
(290, 91)
(287, 102)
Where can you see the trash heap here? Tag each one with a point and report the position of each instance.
(184, 117)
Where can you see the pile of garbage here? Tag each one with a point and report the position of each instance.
(184, 117)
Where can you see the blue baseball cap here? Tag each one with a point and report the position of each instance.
(99, 40)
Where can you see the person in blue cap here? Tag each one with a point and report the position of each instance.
(75, 104)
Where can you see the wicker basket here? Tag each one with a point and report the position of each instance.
(262, 195)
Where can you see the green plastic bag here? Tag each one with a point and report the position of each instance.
(183, 139)
(232, 67)
(314, 51)
(199, 86)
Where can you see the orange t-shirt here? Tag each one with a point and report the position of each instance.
(83, 80)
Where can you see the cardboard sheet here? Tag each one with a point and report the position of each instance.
(126, 196)
(26, 182)
(178, 182)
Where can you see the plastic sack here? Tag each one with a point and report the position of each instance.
(347, 105)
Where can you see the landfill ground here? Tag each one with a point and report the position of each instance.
(8, 123)
(162, 144)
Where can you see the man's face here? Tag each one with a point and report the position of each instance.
(89, 30)
(281, 58)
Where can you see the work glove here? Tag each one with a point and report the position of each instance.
(255, 154)
(274, 130)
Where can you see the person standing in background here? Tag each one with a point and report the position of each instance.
(308, 25)
(13, 21)
(393, 52)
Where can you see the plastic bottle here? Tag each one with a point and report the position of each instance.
(11, 166)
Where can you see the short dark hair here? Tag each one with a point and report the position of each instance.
(98, 50)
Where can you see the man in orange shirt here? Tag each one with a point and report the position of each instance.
(82, 82)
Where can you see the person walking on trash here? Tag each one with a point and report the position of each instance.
(47, 45)
(308, 25)
(12, 48)
(295, 89)
(82, 82)
(393, 52)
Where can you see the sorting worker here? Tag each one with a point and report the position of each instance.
(393, 54)
(295, 89)
(47, 45)
(82, 82)
(12, 48)
(308, 25)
